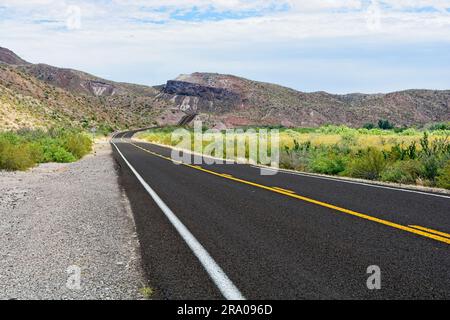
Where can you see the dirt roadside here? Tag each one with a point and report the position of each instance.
(58, 219)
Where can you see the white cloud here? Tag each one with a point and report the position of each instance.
(114, 36)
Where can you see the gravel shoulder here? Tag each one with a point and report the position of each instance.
(57, 216)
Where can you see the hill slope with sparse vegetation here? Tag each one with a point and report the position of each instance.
(42, 96)
(235, 101)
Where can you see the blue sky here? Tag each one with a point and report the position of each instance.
(338, 46)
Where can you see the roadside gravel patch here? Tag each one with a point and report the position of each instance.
(58, 216)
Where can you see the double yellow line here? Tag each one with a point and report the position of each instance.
(425, 232)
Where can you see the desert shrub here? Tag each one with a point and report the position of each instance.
(399, 152)
(53, 152)
(408, 132)
(298, 157)
(16, 157)
(302, 130)
(327, 163)
(25, 148)
(331, 129)
(299, 160)
(440, 126)
(402, 171)
(63, 156)
(369, 165)
(10, 137)
(349, 138)
(105, 129)
(443, 179)
(385, 125)
(78, 144)
(430, 166)
(368, 126)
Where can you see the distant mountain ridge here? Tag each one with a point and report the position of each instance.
(44, 95)
(246, 102)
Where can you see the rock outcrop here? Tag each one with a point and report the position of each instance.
(197, 98)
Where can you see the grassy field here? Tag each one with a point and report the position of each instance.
(23, 149)
(407, 156)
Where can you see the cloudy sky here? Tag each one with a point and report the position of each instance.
(338, 46)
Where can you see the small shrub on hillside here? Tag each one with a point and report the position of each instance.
(105, 129)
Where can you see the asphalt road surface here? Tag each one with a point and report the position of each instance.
(226, 231)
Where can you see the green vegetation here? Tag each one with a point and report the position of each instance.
(407, 155)
(443, 179)
(385, 125)
(440, 126)
(424, 162)
(147, 292)
(23, 149)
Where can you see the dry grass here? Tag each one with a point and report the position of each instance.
(410, 156)
(358, 141)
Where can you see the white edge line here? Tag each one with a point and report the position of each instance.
(353, 182)
(218, 276)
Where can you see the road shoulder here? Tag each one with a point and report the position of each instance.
(57, 218)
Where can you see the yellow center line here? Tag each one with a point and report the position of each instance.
(288, 193)
(285, 190)
(440, 233)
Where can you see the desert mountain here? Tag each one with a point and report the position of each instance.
(39, 95)
(238, 101)
(83, 83)
(42, 95)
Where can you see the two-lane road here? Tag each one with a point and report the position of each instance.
(215, 231)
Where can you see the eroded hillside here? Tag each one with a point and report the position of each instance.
(237, 101)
